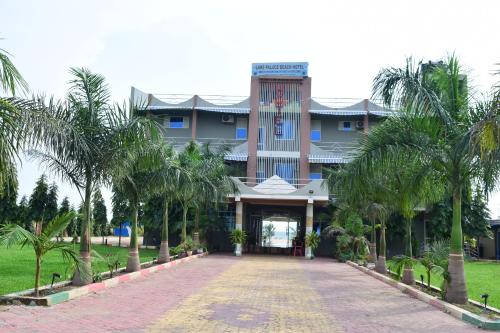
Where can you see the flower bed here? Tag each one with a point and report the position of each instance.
(64, 291)
(449, 308)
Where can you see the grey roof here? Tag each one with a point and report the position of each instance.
(238, 153)
(151, 102)
(318, 155)
(351, 110)
(319, 192)
(494, 223)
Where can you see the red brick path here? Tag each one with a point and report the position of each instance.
(354, 301)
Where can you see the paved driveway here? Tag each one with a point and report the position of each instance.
(249, 294)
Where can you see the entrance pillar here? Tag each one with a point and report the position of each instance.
(309, 226)
(239, 224)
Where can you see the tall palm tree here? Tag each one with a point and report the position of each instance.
(136, 176)
(79, 154)
(87, 148)
(165, 178)
(438, 125)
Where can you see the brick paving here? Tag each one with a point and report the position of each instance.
(248, 294)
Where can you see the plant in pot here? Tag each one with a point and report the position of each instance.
(188, 246)
(312, 242)
(238, 238)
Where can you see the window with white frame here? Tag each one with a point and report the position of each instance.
(177, 122)
(241, 128)
(315, 130)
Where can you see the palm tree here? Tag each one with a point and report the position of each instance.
(13, 234)
(10, 116)
(165, 179)
(199, 184)
(215, 182)
(439, 126)
(79, 154)
(136, 176)
(367, 195)
(87, 148)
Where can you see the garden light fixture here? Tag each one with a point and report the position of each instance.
(54, 276)
(485, 297)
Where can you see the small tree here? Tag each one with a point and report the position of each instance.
(51, 209)
(38, 203)
(42, 243)
(99, 214)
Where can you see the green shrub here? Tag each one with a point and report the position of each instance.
(238, 236)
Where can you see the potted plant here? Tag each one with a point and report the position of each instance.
(312, 242)
(238, 238)
(188, 246)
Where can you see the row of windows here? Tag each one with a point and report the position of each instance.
(287, 128)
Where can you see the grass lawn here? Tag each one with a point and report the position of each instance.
(481, 277)
(17, 266)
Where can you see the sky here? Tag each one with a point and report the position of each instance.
(207, 47)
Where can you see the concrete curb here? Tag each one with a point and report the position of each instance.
(64, 296)
(446, 307)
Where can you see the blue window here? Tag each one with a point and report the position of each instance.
(287, 130)
(315, 175)
(241, 133)
(260, 176)
(315, 135)
(347, 126)
(284, 170)
(176, 122)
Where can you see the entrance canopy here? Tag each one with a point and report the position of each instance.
(276, 188)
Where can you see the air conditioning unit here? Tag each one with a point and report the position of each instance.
(227, 119)
(360, 124)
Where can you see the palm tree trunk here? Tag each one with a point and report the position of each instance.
(196, 235)
(381, 266)
(457, 288)
(133, 262)
(37, 276)
(408, 275)
(373, 245)
(408, 247)
(83, 275)
(120, 235)
(184, 223)
(164, 255)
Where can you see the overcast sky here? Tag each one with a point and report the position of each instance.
(207, 47)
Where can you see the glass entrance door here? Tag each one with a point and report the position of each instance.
(278, 232)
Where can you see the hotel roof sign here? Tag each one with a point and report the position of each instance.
(280, 69)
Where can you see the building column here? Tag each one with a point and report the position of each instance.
(305, 131)
(253, 131)
(239, 224)
(194, 120)
(309, 226)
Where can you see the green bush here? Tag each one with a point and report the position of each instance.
(238, 236)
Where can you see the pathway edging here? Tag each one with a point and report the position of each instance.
(446, 307)
(64, 296)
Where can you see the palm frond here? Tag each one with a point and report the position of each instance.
(10, 78)
(13, 234)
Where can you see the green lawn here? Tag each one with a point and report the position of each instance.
(17, 266)
(481, 277)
